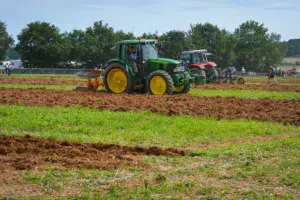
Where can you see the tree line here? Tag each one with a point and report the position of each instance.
(43, 45)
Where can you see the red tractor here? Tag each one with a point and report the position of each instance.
(200, 68)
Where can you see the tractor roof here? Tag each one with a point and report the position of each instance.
(135, 42)
(195, 51)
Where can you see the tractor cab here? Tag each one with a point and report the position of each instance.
(195, 58)
(136, 54)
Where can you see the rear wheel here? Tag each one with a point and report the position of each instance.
(117, 80)
(159, 83)
(182, 89)
(241, 80)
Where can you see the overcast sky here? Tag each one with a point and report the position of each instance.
(139, 16)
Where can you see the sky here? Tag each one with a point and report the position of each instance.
(140, 16)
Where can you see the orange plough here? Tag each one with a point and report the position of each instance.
(91, 74)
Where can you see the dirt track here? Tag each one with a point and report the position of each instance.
(271, 87)
(26, 153)
(286, 111)
(34, 81)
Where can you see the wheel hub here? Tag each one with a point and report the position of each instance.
(117, 80)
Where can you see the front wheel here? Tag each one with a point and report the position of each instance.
(159, 83)
(182, 89)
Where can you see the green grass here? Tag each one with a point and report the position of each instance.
(256, 168)
(129, 128)
(246, 94)
(196, 92)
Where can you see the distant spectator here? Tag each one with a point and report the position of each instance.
(243, 72)
(272, 73)
(6, 69)
(9, 69)
(230, 73)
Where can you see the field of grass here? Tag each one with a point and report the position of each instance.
(129, 128)
(226, 159)
(254, 94)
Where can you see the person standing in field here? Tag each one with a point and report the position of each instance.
(243, 72)
(6, 69)
(272, 73)
(9, 69)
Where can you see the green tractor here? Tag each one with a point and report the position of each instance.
(137, 66)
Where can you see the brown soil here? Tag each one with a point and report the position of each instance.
(27, 153)
(83, 82)
(286, 111)
(271, 87)
(26, 81)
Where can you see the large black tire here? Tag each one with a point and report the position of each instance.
(185, 90)
(129, 87)
(241, 80)
(165, 76)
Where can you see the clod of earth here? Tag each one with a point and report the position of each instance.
(286, 111)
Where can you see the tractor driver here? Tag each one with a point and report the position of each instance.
(133, 57)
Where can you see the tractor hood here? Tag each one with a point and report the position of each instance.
(164, 61)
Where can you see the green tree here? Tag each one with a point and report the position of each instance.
(5, 40)
(293, 47)
(256, 48)
(99, 41)
(173, 43)
(274, 52)
(41, 45)
(149, 35)
(12, 54)
(121, 35)
(75, 45)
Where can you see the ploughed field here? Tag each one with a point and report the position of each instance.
(286, 111)
(59, 142)
(42, 81)
(81, 82)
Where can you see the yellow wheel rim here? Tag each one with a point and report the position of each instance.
(178, 89)
(117, 80)
(158, 85)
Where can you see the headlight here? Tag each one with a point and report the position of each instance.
(179, 69)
